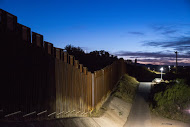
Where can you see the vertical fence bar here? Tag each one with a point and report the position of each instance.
(93, 90)
(37, 39)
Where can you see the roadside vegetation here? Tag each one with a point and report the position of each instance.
(126, 88)
(171, 100)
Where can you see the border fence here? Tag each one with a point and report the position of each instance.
(41, 81)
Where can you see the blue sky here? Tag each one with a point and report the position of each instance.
(149, 30)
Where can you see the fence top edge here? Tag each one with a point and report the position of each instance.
(23, 25)
(36, 33)
(7, 13)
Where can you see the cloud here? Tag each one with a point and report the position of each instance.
(169, 31)
(151, 54)
(188, 32)
(136, 33)
(179, 44)
(181, 62)
(165, 29)
(175, 41)
(159, 27)
(188, 53)
(161, 58)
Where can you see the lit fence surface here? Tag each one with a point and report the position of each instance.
(40, 80)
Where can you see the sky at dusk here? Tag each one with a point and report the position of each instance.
(149, 30)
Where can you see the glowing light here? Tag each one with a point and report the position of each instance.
(157, 80)
(161, 69)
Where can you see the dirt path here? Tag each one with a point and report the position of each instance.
(140, 114)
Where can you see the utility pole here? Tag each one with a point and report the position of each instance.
(176, 61)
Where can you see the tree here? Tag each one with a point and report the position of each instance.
(74, 50)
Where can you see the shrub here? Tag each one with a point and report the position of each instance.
(126, 88)
(177, 94)
(173, 100)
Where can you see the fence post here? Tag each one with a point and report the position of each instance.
(48, 47)
(93, 90)
(81, 68)
(85, 70)
(37, 39)
(103, 87)
(71, 59)
(58, 53)
(61, 55)
(76, 64)
(65, 57)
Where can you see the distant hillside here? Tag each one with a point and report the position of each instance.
(141, 73)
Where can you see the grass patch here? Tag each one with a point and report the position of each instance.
(126, 88)
(120, 113)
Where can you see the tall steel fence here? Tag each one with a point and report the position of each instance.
(41, 81)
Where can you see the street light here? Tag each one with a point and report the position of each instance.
(169, 68)
(161, 69)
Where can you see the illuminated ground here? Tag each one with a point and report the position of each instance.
(140, 115)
